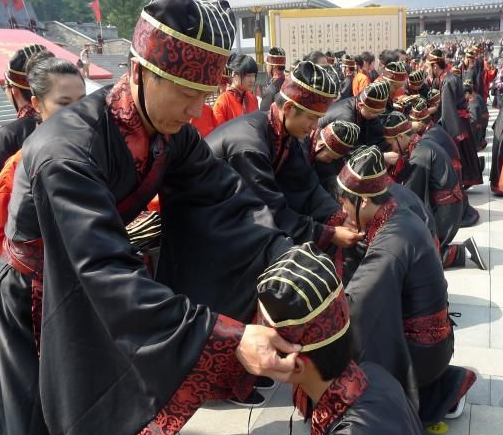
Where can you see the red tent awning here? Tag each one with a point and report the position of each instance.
(13, 40)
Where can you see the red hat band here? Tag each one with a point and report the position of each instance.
(364, 187)
(275, 60)
(403, 127)
(305, 97)
(17, 78)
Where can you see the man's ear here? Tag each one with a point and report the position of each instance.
(300, 365)
(288, 109)
(35, 103)
(135, 70)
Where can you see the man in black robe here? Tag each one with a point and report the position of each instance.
(362, 110)
(429, 173)
(423, 125)
(479, 115)
(18, 93)
(350, 398)
(398, 294)
(275, 67)
(265, 149)
(496, 175)
(348, 69)
(454, 116)
(416, 84)
(396, 75)
(121, 353)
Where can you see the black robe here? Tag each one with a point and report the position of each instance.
(270, 92)
(479, 119)
(13, 135)
(347, 87)
(430, 174)
(400, 278)
(116, 345)
(496, 176)
(455, 120)
(382, 408)
(437, 134)
(371, 131)
(293, 193)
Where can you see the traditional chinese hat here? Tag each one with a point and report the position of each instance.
(468, 85)
(348, 61)
(276, 57)
(310, 88)
(226, 76)
(419, 110)
(471, 54)
(15, 74)
(186, 41)
(302, 297)
(434, 96)
(417, 78)
(436, 55)
(330, 55)
(340, 137)
(456, 70)
(396, 123)
(395, 72)
(375, 96)
(365, 174)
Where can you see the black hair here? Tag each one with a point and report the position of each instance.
(41, 66)
(332, 360)
(359, 61)
(314, 56)
(401, 51)
(242, 64)
(441, 63)
(388, 56)
(353, 199)
(278, 51)
(368, 57)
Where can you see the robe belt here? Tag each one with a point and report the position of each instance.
(428, 330)
(25, 257)
(447, 196)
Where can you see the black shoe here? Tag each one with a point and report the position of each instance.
(264, 383)
(253, 400)
(482, 163)
(475, 253)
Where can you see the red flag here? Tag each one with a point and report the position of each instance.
(18, 4)
(5, 3)
(95, 6)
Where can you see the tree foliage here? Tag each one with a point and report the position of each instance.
(121, 13)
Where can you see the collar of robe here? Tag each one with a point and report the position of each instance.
(380, 218)
(281, 137)
(338, 397)
(126, 116)
(27, 111)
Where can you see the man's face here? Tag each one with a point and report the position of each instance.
(169, 105)
(299, 123)
(348, 207)
(367, 112)
(418, 127)
(400, 143)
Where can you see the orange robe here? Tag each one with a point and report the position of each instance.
(6, 185)
(206, 123)
(360, 82)
(228, 106)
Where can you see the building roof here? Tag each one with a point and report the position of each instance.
(431, 8)
(415, 5)
(280, 4)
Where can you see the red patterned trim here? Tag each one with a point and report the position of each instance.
(172, 58)
(217, 375)
(306, 98)
(334, 142)
(395, 76)
(447, 196)
(450, 258)
(17, 78)
(380, 218)
(403, 127)
(27, 111)
(275, 60)
(468, 381)
(364, 187)
(328, 232)
(428, 330)
(37, 291)
(338, 397)
(464, 114)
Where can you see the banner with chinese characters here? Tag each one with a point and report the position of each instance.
(300, 31)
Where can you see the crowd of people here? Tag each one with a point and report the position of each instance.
(303, 235)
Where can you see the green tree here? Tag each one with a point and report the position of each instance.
(63, 10)
(123, 14)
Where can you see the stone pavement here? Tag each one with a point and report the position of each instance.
(476, 294)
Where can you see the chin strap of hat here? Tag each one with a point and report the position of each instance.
(358, 206)
(141, 98)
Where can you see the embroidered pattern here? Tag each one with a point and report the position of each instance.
(428, 330)
(381, 217)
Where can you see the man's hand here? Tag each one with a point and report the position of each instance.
(346, 237)
(391, 158)
(259, 351)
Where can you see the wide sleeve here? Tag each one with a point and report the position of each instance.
(118, 341)
(258, 173)
(449, 111)
(375, 300)
(268, 98)
(418, 175)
